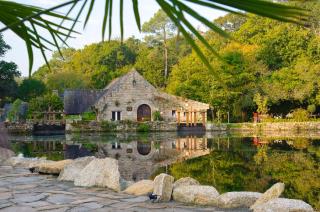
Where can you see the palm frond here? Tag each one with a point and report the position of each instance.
(14, 15)
(25, 21)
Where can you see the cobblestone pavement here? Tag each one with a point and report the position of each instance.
(23, 191)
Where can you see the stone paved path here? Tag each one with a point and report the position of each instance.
(23, 191)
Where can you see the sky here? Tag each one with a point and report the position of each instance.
(92, 33)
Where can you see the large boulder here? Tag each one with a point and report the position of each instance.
(284, 205)
(237, 199)
(196, 194)
(139, 188)
(5, 154)
(163, 185)
(72, 170)
(185, 181)
(50, 167)
(273, 192)
(100, 173)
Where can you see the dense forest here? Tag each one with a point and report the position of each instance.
(269, 66)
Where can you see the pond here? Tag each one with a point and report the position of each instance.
(226, 161)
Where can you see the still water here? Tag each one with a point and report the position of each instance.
(226, 161)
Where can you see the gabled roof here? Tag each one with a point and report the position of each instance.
(79, 101)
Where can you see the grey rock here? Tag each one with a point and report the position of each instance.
(185, 181)
(92, 205)
(283, 205)
(237, 199)
(163, 185)
(72, 170)
(273, 192)
(18, 208)
(196, 194)
(101, 173)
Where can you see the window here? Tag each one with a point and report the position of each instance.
(173, 113)
(116, 115)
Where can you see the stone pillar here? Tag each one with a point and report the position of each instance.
(195, 117)
(178, 117)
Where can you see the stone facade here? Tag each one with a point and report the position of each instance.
(124, 97)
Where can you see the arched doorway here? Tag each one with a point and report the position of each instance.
(144, 113)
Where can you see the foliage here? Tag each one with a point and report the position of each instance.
(156, 116)
(8, 72)
(312, 108)
(16, 112)
(89, 116)
(261, 102)
(300, 114)
(143, 127)
(108, 125)
(31, 88)
(44, 103)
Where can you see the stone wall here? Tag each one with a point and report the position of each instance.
(270, 127)
(17, 127)
(118, 126)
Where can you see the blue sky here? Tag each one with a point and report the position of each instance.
(92, 33)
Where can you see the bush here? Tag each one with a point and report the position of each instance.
(312, 108)
(17, 112)
(89, 116)
(108, 125)
(300, 114)
(143, 127)
(157, 116)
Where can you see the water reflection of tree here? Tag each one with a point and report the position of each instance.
(249, 171)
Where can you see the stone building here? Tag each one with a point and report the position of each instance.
(131, 97)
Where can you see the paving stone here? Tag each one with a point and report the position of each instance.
(61, 192)
(5, 205)
(137, 199)
(29, 198)
(64, 209)
(18, 209)
(79, 209)
(5, 195)
(23, 187)
(92, 205)
(37, 204)
(51, 207)
(60, 199)
(91, 199)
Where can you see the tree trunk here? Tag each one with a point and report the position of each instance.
(165, 53)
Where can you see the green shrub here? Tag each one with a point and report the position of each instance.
(300, 114)
(15, 113)
(143, 127)
(108, 125)
(89, 116)
(157, 116)
(312, 108)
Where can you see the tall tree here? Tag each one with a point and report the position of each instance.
(162, 28)
(8, 71)
(31, 88)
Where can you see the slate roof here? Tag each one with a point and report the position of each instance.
(79, 101)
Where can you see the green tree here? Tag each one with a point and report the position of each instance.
(162, 28)
(8, 72)
(31, 88)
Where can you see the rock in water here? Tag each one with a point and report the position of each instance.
(72, 170)
(185, 181)
(163, 185)
(50, 167)
(237, 199)
(101, 173)
(273, 192)
(196, 194)
(283, 205)
(142, 187)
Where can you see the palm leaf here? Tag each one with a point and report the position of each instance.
(24, 20)
(14, 15)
